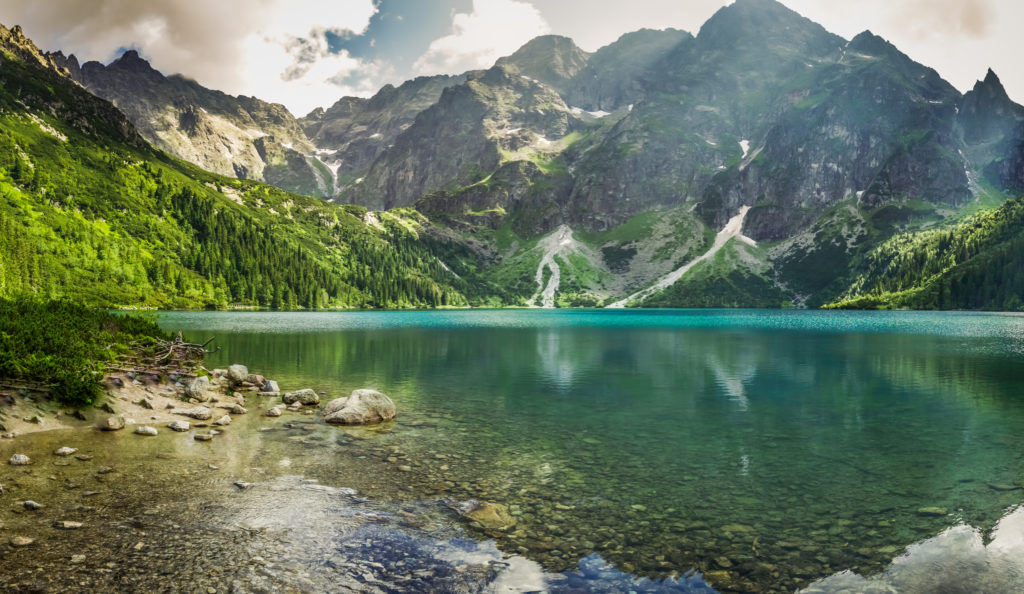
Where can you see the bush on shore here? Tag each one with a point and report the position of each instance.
(64, 347)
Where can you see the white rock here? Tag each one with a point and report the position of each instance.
(65, 451)
(145, 430)
(305, 397)
(238, 373)
(20, 460)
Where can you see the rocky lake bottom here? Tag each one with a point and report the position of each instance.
(655, 457)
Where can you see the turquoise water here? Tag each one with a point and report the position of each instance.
(765, 449)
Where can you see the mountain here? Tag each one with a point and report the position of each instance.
(353, 132)
(552, 60)
(615, 74)
(94, 213)
(763, 161)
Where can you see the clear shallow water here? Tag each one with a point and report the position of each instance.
(763, 448)
(767, 450)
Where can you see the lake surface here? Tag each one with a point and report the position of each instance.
(753, 450)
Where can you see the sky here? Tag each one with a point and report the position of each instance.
(309, 53)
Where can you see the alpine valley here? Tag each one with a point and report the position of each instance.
(763, 162)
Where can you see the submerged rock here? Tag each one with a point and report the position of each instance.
(145, 430)
(32, 505)
(21, 541)
(276, 411)
(200, 413)
(179, 426)
(491, 516)
(203, 436)
(932, 511)
(64, 451)
(113, 423)
(19, 460)
(305, 397)
(360, 408)
(67, 525)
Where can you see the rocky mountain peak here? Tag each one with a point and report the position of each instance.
(987, 112)
(131, 61)
(550, 59)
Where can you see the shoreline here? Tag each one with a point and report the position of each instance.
(134, 396)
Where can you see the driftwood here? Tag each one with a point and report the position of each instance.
(166, 356)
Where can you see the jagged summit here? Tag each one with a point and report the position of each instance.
(550, 59)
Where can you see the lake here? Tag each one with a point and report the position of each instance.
(751, 450)
(778, 447)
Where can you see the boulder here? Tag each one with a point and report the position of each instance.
(113, 423)
(255, 379)
(237, 373)
(360, 408)
(492, 516)
(305, 397)
(65, 451)
(270, 386)
(238, 409)
(197, 388)
(225, 420)
(145, 430)
(19, 460)
(199, 413)
(276, 411)
(179, 426)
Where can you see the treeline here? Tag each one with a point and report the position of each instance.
(86, 215)
(978, 264)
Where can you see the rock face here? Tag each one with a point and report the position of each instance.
(234, 136)
(361, 407)
(305, 397)
(113, 423)
(199, 413)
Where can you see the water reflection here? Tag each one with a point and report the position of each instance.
(763, 459)
(957, 560)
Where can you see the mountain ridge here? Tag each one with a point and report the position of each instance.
(835, 146)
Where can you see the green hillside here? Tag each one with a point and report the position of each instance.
(977, 264)
(89, 211)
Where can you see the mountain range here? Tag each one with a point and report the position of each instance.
(763, 161)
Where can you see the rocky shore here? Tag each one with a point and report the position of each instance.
(147, 402)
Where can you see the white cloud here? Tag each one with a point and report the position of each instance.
(273, 49)
(494, 29)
